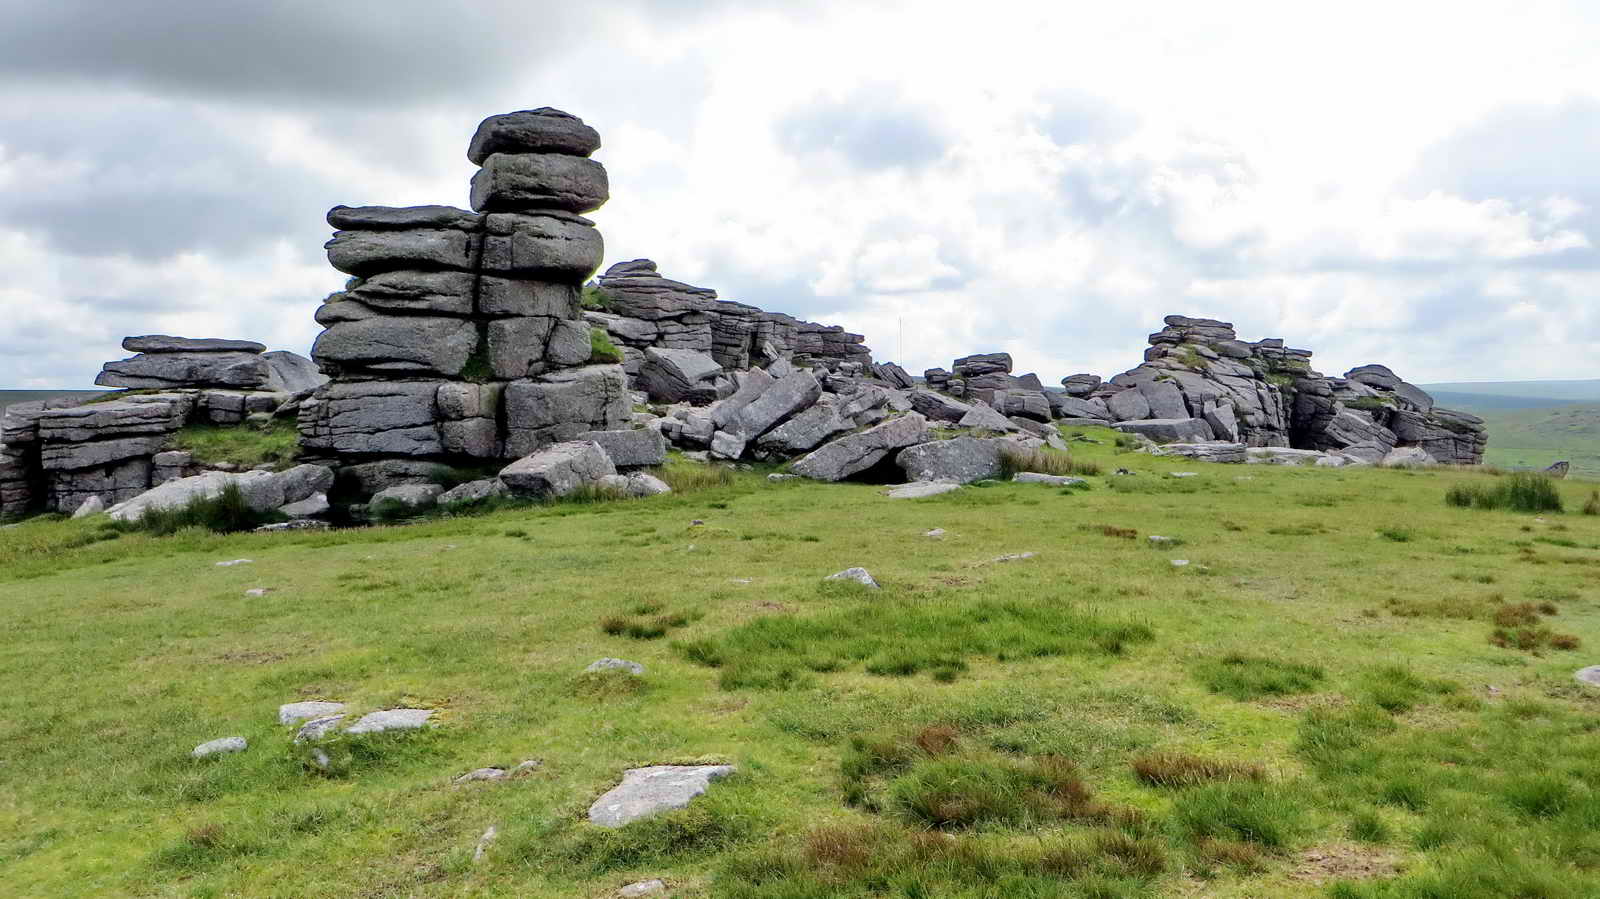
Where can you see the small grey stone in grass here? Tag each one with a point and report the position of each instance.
(257, 591)
(482, 774)
(1157, 540)
(290, 712)
(526, 767)
(1012, 557)
(391, 719)
(614, 665)
(320, 759)
(1053, 480)
(316, 728)
(1180, 563)
(232, 562)
(859, 575)
(648, 791)
(483, 844)
(776, 478)
(643, 888)
(740, 580)
(936, 533)
(219, 747)
(1589, 675)
(1181, 474)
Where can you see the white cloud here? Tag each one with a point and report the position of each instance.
(1355, 179)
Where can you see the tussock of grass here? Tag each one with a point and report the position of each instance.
(1043, 461)
(225, 513)
(893, 638)
(601, 349)
(1591, 506)
(1267, 815)
(1242, 677)
(1520, 492)
(243, 445)
(643, 621)
(1180, 769)
(688, 477)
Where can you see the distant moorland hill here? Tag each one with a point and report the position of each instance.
(1533, 423)
(7, 397)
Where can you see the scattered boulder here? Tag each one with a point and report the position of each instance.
(558, 470)
(1168, 430)
(859, 575)
(672, 376)
(263, 491)
(291, 712)
(473, 492)
(1558, 470)
(632, 448)
(311, 507)
(1589, 675)
(220, 746)
(650, 791)
(961, 460)
(408, 497)
(983, 417)
(94, 505)
(624, 665)
(317, 728)
(482, 775)
(391, 719)
(642, 888)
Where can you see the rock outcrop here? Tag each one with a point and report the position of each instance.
(1200, 382)
(56, 455)
(460, 335)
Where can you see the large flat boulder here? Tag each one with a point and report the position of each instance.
(292, 373)
(650, 791)
(262, 490)
(983, 417)
(961, 460)
(399, 343)
(778, 402)
(804, 432)
(675, 376)
(558, 470)
(858, 452)
(938, 407)
(542, 130)
(630, 448)
(1169, 430)
(1128, 405)
(509, 182)
(547, 245)
(209, 368)
(162, 343)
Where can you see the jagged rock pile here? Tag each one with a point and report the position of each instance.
(987, 378)
(56, 455)
(1199, 382)
(640, 309)
(460, 336)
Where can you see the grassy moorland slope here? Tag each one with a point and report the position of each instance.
(1352, 690)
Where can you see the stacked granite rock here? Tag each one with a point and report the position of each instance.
(986, 378)
(460, 335)
(641, 309)
(1199, 383)
(55, 455)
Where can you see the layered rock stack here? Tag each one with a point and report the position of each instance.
(1199, 382)
(56, 455)
(640, 309)
(460, 335)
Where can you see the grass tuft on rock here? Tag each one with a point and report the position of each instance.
(277, 443)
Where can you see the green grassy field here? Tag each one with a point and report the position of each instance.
(1534, 438)
(1352, 690)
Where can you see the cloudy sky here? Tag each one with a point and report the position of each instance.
(1410, 183)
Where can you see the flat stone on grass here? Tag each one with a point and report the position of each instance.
(317, 728)
(643, 888)
(649, 791)
(232, 562)
(391, 719)
(1052, 480)
(290, 712)
(614, 665)
(1589, 675)
(219, 747)
(482, 774)
(922, 489)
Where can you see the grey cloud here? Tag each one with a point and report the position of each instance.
(874, 128)
(1077, 118)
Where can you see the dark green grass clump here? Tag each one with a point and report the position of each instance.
(1242, 677)
(225, 513)
(601, 349)
(901, 639)
(1521, 492)
(643, 621)
(1180, 769)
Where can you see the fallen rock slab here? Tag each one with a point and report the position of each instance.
(650, 791)
(220, 746)
(558, 470)
(482, 774)
(1052, 480)
(290, 712)
(633, 668)
(922, 489)
(317, 728)
(855, 453)
(391, 719)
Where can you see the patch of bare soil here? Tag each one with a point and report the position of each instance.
(1344, 861)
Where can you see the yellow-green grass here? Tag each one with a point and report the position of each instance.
(122, 653)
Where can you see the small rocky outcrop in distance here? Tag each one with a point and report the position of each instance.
(1200, 382)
